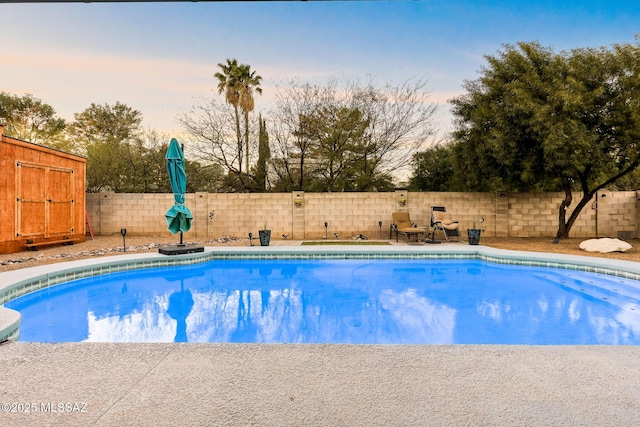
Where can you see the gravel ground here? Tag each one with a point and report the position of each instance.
(112, 245)
(101, 246)
(565, 246)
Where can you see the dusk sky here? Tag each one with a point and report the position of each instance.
(160, 58)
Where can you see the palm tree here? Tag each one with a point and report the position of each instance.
(238, 82)
(229, 84)
(248, 82)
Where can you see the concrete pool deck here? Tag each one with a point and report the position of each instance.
(107, 384)
(90, 384)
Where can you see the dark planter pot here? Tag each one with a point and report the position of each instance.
(473, 234)
(265, 237)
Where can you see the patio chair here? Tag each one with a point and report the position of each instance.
(402, 225)
(441, 220)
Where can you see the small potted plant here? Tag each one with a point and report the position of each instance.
(265, 235)
(473, 234)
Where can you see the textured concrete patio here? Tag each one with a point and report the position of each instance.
(310, 385)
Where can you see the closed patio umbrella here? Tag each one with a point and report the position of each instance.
(179, 217)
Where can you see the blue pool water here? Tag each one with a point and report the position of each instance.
(338, 301)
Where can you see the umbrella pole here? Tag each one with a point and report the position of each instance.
(181, 244)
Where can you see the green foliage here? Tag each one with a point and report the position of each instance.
(433, 170)
(629, 182)
(238, 183)
(105, 123)
(29, 119)
(201, 177)
(335, 136)
(341, 157)
(264, 154)
(110, 138)
(538, 120)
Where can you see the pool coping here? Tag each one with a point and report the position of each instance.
(23, 281)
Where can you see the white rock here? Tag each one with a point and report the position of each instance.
(605, 245)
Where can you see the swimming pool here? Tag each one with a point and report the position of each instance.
(392, 300)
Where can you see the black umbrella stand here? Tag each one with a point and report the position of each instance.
(180, 249)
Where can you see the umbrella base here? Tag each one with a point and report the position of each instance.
(180, 250)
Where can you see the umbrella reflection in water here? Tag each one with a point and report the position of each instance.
(180, 305)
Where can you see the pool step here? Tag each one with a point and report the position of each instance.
(615, 290)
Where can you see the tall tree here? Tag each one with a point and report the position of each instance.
(29, 119)
(144, 166)
(384, 127)
(264, 154)
(228, 83)
(539, 119)
(433, 169)
(202, 177)
(248, 82)
(211, 127)
(336, 134)
(292, 143)
(107, 135)
(238, 83)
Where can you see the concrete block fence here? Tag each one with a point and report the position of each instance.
(300, 215)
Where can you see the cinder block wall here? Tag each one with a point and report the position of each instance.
(302, 215)
(616, 211)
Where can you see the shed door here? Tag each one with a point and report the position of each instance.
(44, 204)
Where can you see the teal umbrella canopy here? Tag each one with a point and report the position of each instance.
(179, 217)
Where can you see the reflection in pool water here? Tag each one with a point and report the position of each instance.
(338, 301)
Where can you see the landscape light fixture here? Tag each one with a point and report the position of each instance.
(123, 231)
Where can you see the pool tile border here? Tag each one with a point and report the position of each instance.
(24, 281)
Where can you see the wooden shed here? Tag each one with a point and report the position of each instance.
(42, 195)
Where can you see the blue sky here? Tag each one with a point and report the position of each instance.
(160, 58)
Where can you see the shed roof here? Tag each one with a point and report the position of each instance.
(32, 145)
